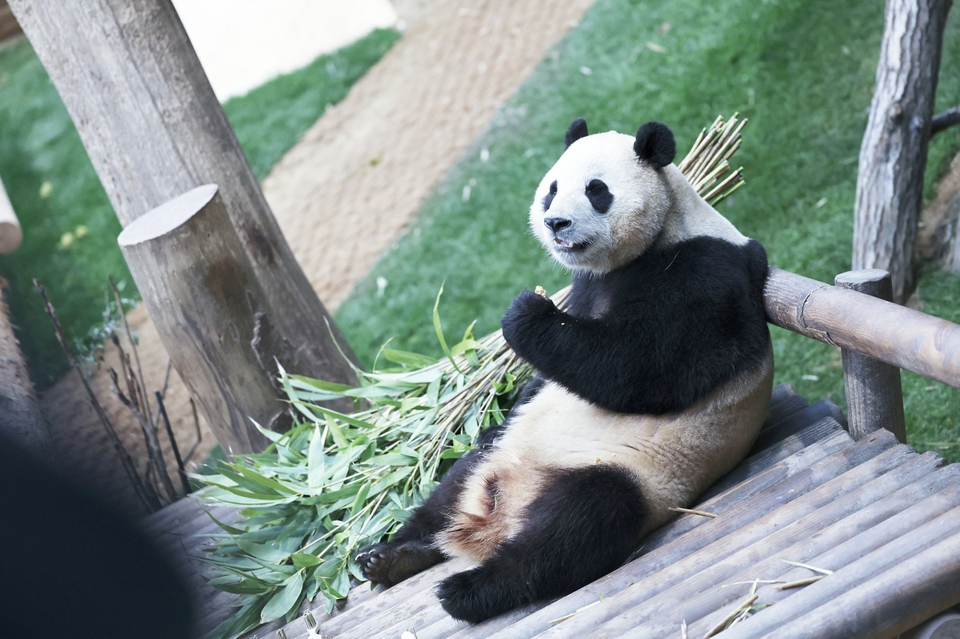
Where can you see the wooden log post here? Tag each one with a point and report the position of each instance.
(154, 130)
(10, 232)
(874, 391)
(893, 154)
(211, 312)
(20, 417)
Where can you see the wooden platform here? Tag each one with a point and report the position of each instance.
(883, 518)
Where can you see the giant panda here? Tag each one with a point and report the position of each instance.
(652, 384)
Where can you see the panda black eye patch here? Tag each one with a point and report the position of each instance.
(548, 198)
(599, 195)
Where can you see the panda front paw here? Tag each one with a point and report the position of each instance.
(392, 562)
(527, 310)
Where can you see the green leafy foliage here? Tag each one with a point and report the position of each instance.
(335, 483)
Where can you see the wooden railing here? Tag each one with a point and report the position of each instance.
(878, 337)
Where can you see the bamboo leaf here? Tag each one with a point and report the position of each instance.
(406, 358)
(269, 434)
(263, 552)
(360, 499)
(393, 459)
(439, 329)
(307, 383)
(284, 600)
(316, 460)
(304, 560)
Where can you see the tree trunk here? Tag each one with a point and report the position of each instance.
(154, 130)
(217, 333)
(894, 150)
(20, 417)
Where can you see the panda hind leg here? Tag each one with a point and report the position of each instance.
(584, 524)
(413, 548)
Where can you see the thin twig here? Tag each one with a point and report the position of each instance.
(690, 511)
(800, 582)
(196, 423)
(133, 345)
(720, 627)
(154, 452)
(822, 571)
(125, 459)
(161, 409)
(166, 378)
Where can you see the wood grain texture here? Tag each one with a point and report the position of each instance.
(893, 153)
(20, 418)
(881, 594)
(874, 391)
(154, 130)
(210, 311)
(661, 613)
(899, 336)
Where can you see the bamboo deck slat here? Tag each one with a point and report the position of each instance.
(884, 518)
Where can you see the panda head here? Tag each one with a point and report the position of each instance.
(605, 200)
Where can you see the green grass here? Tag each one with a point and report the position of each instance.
(69, 226)
(802, 71)
(270, 119)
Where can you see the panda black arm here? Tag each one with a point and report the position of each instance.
(683, 322)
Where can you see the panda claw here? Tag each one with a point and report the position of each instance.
(392, 562)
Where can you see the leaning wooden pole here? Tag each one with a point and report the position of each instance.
(20, 417)
(893, 154)
(154, 130)
(205, 301)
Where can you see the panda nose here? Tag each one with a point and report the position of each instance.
(556, 223)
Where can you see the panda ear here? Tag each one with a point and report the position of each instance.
(577, 130)
(655, 144)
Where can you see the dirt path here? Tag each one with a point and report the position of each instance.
(351, 186)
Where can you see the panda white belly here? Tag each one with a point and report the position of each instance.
(673, 458)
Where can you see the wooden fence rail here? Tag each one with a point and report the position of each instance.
(899, 336)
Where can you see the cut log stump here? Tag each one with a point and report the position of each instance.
(212, 314)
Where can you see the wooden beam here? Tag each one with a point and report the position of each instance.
(20, 417)
(874, 391)
(204, 298)
(899, 336)
(154, 130)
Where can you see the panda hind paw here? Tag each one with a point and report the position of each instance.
(476, 595)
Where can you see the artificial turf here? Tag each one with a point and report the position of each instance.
(802, 72)
(69, 227)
